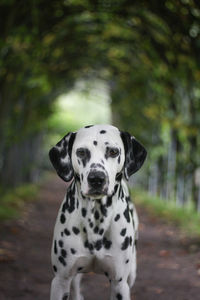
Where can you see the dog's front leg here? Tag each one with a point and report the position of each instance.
(60, 288)
(75, 290)
(120, 290)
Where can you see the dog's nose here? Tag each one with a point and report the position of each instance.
(96, 179)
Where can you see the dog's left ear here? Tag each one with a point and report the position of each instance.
(135, 154)
(60, 157)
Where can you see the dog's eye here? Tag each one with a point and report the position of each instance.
(113, 152)
(81, 152)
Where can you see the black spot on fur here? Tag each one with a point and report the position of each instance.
(109, 201)
(101, 231)
(75, 230)
(128, 199)
(98, 245)
(127, 261)
(66, 232)
(96, 229)
(95, 143)
(127, 215)
(115, 189)
(84, 212)
(70, 200)
(123, 232)
(84, 155)
(55, 247)
(107, 244)
(96, 215)
(73, 251)
(62, 261)
(121, 192)
(88, 126)
(125, 244)
(60, 243)
(83, 196)
(63, 253)
(119, 159)
(88, 245)
(55, 269)
(62, 218)
(102, 132)
(91, 224)
(117, 217)
(103, 210)
(118, 177)
(107, 153)
(64, 207)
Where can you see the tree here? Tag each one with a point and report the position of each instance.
(148, 51)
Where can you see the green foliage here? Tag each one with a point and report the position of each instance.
(148, 51)
(13, 201)
(186, 218)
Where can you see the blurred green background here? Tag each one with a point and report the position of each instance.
(69, 63)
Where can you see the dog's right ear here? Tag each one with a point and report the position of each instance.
(60, 157)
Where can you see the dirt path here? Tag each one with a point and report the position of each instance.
(168, 265)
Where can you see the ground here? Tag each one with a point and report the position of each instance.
(168, 262)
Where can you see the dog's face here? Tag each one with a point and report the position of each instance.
(97, 155)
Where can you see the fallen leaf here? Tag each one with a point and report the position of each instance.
(164, 253)
(14, 230)
(6, 255)
(156, 290)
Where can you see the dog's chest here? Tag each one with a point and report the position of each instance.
(96, 218)
(105, 229)
(93, 232)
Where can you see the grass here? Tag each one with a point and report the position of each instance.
(12, 202)
(186, 218)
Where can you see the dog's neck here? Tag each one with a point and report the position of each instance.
(96, 215)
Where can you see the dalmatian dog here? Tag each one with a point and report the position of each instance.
(97, 225)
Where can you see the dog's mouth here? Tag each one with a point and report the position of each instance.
(97, 193)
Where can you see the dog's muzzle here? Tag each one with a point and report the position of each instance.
(97, 182)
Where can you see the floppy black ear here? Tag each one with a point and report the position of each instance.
(60, 157)
(135, 154)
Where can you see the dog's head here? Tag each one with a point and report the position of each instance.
(98, 156)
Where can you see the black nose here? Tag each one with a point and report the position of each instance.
(96, 179)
